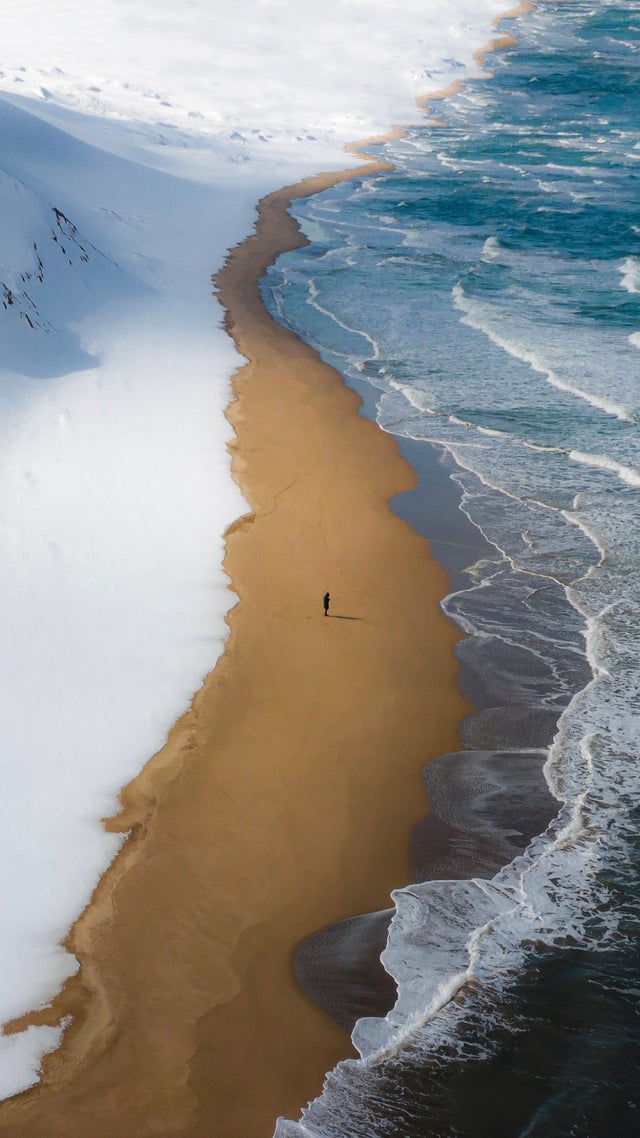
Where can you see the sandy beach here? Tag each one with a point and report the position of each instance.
(284, 798)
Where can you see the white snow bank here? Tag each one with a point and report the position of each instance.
(137, 137)
(283, 67)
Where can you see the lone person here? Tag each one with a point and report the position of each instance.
(325, 601)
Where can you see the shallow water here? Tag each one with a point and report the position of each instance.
(488, 290)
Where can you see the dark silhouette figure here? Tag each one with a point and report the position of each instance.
(325, 601)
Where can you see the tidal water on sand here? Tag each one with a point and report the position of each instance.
(484, 297)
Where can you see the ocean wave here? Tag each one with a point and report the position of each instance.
(484, 317)
(626, 474)
(630, 271)
(480, 931)
(314, 302)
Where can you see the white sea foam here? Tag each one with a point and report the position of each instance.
(433, 922)
(419, 398)
(474, 426)
(482, 316)
(315, 303)
(154, 128)
(493, 249)
(626, 474)
(630, 271)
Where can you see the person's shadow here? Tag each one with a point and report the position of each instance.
(337, 616)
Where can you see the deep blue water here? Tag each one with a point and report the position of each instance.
(488, 291)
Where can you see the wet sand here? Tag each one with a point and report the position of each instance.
(284, 798)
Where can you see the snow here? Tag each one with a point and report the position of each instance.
(137, 137)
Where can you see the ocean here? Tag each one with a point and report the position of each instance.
(484, 298)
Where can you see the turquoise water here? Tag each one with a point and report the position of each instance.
(488, 290)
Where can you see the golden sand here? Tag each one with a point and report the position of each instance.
(284, 797)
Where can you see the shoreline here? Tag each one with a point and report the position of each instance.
(186, 978)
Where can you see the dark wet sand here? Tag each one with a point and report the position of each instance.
(486, 803)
